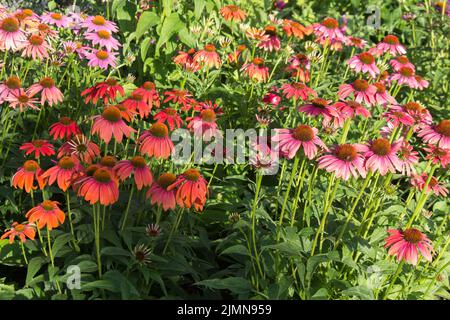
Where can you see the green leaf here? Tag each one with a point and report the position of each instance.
(236, 249)
(114, 251)
(186, 38)
(99, 284)
(199, 5)
(171, 25)
(33, 267)
(237, 285)
(147, 20)
(360, 292)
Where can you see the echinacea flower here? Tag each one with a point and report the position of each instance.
(408, 159)
(106, 90)
(406, 244)
(256, 34)
(186, 60)
(418, 112)
(420, 83)
(149, 94)
(365, 63)
(97, 23)
(319, 107)
(159, 193)
(64, 128)
(47, 214)
(38, 147)
(192, 189)
(104, 39)
(406, 76)
(297, 90)
(420, 181)
(21, 230)
(81, 148)
(138, 166)
(344, 160)
(137, 104)
(141, 253)
(356, 42)
(272, 99)
(303, 136)
(102, 59)
(22, 100)
(263, 158)
(350, 109)
(329, 29)
(233, 13)
(208, 57)
(381, 156)
(256, 70)
(11, 36)
(401, 61)
(396, 116)
(108, 162)
(169, 116)
(204, 125)
(26, 175)
(64, 172)
(99, 186)
(382, 96)
(57, 19)
(273, 42)
(110, 123)
(153, 230)
(437, 155)
(438, 134)
(36, 47)
(361, 89)
(155, 142)
(299, 66)
(389, 44)
(49, 92)
(10, 87)
(295, 29)
(181, 97)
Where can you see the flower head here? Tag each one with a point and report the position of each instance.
(160, 194)
(99, 185)
(297, 90)
(11, 35)
(362, 91)
(64, 172)
(21, 230)
(344, 160)
(381, 156)
(406, 244)
(192, 189)
(26, 175)
(303, 136)
(438, 134)
(110, 123)
(38, 147)
(138, 166)
(49, 92)
(46, 214)
(155, 142)
(256, 70)
(233, 13)
(106, 90)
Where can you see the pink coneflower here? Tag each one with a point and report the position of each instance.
(101, 186)
(406, 244)
(22, 230)
(64, 172)
(110, 123)
(36, 47)
(102, 59)
(356, 42)
(319, 107)
(273, 42)
(365, 63)
(272, 99)
(155, 142)
(76, 47)
(208, 57)
(108, 162)
(233, 13)
(419, 181)
(295, 29)
(38, 147)
(46, 214)
(436, 134)
(81, 148)
(137, 104)
(11, 35)
(149, 94)
(192, 189)
(22, 100)
(159, 193)
(26, 175)
(138, 166)
(408, 158)
(382, 96)
(328, 29)
(396, 116)
(418, 112)
(186, 60)
(381, 156)
(57, 19)
(420, 83)
(297, 90)
(362, 91)
(64, 128)
(256, 70)
(264, 159)
(303, 136)
(350, 109)
(400, 62)
(106, 90)
(97, 23)
(204, 124)
(49, 92)
(208, 105)
(169, 116)
(405, 76)
(299, 66)
(438, 155)
(181, 97)
(389, 44)
(344, 160)
(10, 87)
(44, 31)
(104, 39)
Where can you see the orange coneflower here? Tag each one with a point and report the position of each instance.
(149, 94)
(256, 70)
(46, 214)
(160, 194)
(137, 104)
(21, 230)
(170, 116)
(101, 187)
(81, 148)
(142, 175)
(155, 142)
(208, 57)
(110, 123)
(26, 175)
(64, 172)
(192, 189)
(233, 13)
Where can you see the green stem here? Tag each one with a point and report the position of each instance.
(394, 278)
(124, 221)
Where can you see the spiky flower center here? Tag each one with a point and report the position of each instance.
(320, 103)
(13, 82)
(170, 111)
(28, 12)
(360, 85)
(108, 161)
(298, 86)
(47, 82)
(56, 16)
(31, 166)
(102, 54)
(191, 174)
(66, 162)
(412, 235)
(38, 143)
(355, 40)
(148, 85)
(36, 40)
(111, 82)
(346, 152)
(330, 23)
(91, 170)
(381, 147)
(366, 58)
(406, 71)
(444, 128)
(104, 34)
(159, 130)
(241, 47)
(402, 59)
(137, 97)
(353, 104)
(23, 98)
(48, 205)
(413, 106)
(138, 162)
(10, 24)
(270, 30)
(98, 20)
(210, 48)
(380, 87)
(102, 175)
(390, 39)
(258, 61)
(433, 182)
(166, 179)
(19, 228)
(112, 114)
(66, 121)
(233, 8)
(303, 133)
(208, 115)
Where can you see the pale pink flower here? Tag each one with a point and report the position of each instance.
(365, 63)
(362, 91)
(102, 59)
(438, 134)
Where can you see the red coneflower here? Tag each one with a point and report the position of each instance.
(49, 92)
(127, 113)
(36, 47)
(319, 107)
(11, 35)
(272, 43)
(21, 230)
(46, 214)
(106, 90)
(186, 60)
(419, 181)
(181, 97)
(26, 175)
(356, 42)
(192, 189)
(256, 70)
(208, 57)
(233, 13)
(350, 109)
(297, 90)
(149, 94)
(81, 148)
(39, 147)
(64, 128)
(99, 185)
(64, 172)
(303, 136)
(381, 156)
(137, 104)
(299, 66)
(438, 134)
(344, 160)
(406, 244)
(110, 123)
(361, 89)
(170, 116)
(233, 57)
(10, 87)
(138, 166)
(159, 193)
(22, 100)
(329, 30)
(155, 142)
